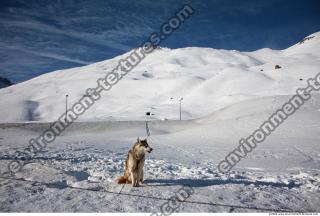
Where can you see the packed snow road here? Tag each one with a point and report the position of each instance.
(77, 172)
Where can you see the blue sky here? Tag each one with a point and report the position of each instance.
(41, 36)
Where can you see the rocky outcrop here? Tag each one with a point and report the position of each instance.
(4, 82)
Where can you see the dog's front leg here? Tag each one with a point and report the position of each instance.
(135, 179)
(141, 176)
(141, 171)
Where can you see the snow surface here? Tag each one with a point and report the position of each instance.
(227, 95)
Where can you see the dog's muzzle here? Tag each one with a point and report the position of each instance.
(150, 150)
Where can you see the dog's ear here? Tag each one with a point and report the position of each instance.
(138, 139)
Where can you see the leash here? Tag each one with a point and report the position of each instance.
(147, 129)
(121, 189)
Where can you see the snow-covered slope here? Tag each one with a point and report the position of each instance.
(208, 79)
(77, 172)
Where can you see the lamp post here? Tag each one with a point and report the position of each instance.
(65, 118)
(180, 100)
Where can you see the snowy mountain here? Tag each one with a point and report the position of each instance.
(208, 79)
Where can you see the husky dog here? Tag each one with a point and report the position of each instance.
(133, 166)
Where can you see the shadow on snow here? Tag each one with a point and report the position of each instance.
(211, 182)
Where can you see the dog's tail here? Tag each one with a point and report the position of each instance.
(122, 180)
